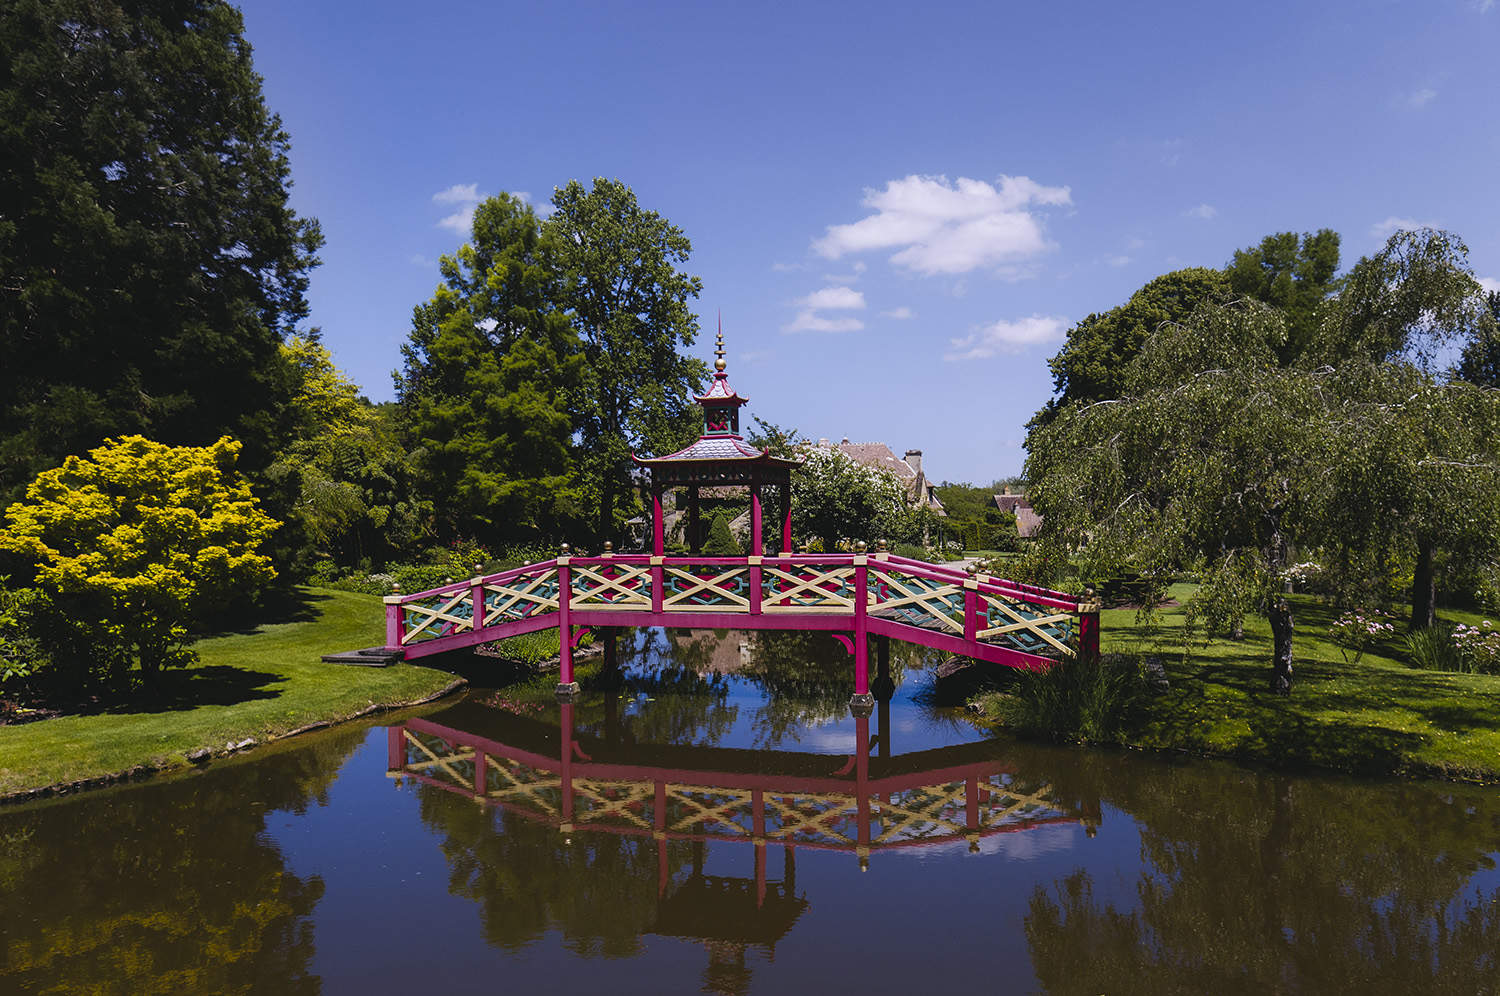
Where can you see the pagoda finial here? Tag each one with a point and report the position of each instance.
(719, 363)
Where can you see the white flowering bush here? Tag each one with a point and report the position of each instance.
(1356, 629)
(1478, 647)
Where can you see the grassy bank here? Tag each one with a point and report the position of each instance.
(1376, 716)
(255, 685)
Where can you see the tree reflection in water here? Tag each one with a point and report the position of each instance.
(171, 887)
(1269, 883)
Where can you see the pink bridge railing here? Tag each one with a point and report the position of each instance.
(862, 595)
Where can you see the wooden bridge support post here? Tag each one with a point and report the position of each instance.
(659, 831)
(658, 528)
(862, 700)
(394, 620)
(565, 769)
(786, 517)
(1088, 627)
(695, 534)
(476, 600)
(971, 610)
(395, 748)
(756, 548)
(758, 831)
(566, 686)
(862, 789)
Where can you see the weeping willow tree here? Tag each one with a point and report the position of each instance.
(1217, 457)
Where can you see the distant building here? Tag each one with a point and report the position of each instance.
(920, 492)
(1028, 523)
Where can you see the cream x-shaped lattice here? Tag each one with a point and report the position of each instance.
(722, 808)
(812, 815)
(813, 586)
(516, 787)
(444, 761)
(606, 803)
(931, 600)
(605, 585)
(708, 585)
(433, 615)
(528, 593)
(1021, 622)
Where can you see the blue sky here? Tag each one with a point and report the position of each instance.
(899, 209)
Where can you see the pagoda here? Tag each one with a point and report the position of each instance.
(720, 457)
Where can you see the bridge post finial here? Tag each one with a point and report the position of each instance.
(395, 587)
(609, 548)
(564, 549)
(861, 546)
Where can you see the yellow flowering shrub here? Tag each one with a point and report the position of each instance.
(144, 539)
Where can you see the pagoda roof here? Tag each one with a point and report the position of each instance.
(718, 449)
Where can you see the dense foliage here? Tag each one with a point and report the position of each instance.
(143, 203)
(1217, 456)
(137, 543)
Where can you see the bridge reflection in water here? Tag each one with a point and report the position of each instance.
(864, 802)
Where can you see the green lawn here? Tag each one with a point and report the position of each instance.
(254, 685)
(1374, 716)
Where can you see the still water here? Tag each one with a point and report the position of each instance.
(711, 822)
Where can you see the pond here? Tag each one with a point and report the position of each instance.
(713, 819)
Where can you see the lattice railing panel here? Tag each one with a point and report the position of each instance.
(614, 586)
(614, 803)
(806, 818)
(436, 615)
(531, 593)
(512, 783)
(1002, 802)
(919, 601)
(1028, 628)
(440, 760)
(789, 587)
(706, 588)
(709, 809)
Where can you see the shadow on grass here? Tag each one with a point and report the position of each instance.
(291, 605)
(204, 685)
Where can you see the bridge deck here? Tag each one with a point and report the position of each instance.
(986, 618)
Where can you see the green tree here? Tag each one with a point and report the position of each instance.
(491, 382)
(1480, 362)
(140, 541)
(721, 542)
(151, 262)
(1092, 362)
(1295, 275)
(1213, 452)
(1405, 307)
(347, 484)
(629, 305)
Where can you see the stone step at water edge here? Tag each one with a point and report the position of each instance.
(368, 657)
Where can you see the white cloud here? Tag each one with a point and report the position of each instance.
(1385, 229)
(1203, 212)
(810, 321)
(900, 313)
(788, 267)
(466, 198)
(1419, 98)
(942, 227)
(417, 259)
(1007, 337)
(834, 297)
(1117, 260)
(1490, 285)
(1484, 6)
(1135, 243)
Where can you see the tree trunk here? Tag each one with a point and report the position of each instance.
(1281, 636)
(1423, 588)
